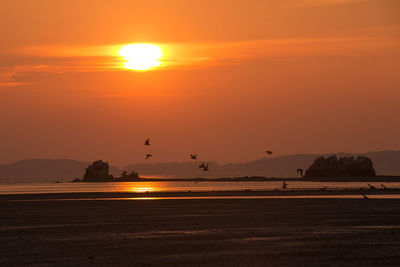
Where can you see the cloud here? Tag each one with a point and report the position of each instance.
(313, 3)
(186, 56)
(9, 78)
(11, 84)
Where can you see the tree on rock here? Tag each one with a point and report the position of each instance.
(342, 167)
(97, 170)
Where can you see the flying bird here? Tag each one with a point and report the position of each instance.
(269, 153)
(364, 195)
(202, 166)
(193, 156)
(284, 185)
(300, 171)
(205, 168)
(147, 142)
(148, 155)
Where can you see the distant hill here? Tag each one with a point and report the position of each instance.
(51, 170)
(273, 167)
(44, 170)
(385, 163)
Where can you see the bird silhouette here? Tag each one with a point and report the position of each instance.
(193, 156)
(205, 168)
(371, 187)
(284, 185)
(269, 153)
(201, 166)
(300, 171)
(148, 155)
(384, 187)
(364, 195)
(147, 142)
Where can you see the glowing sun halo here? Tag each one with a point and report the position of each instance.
(141, 57)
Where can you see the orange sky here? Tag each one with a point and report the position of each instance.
(240, 77)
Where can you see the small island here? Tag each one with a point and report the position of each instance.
(333, 167)
(98, 171)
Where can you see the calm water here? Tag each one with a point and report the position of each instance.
(176, 186)
(386, 196)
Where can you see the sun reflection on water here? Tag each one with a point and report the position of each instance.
(142, 188)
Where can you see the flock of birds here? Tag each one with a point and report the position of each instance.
(204, 166)
(362, 189)
(371, 187)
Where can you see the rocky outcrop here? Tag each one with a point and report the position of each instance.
(132, 175)
(97, 170)
(341, 167)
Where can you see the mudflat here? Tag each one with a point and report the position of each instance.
(200, 232)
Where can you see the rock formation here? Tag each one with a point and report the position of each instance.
(133, 175)
(97, 170)
(342, 167)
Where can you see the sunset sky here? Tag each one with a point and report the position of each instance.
(237, 77)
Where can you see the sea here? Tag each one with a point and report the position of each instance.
(185, 186)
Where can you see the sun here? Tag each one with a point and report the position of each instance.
(141, 57)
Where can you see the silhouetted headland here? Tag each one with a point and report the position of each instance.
(98, 171)
(65, 170)
(341, 167)
(345, 169)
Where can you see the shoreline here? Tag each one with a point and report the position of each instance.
(200, 194)
(65, 180)
(381, 178)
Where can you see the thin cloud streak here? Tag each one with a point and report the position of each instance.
(314, 3)
(186, 56)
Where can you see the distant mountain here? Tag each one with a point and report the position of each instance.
(385, 163)
(44, 170)
(51, 170)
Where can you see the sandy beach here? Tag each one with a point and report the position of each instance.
(198, 232)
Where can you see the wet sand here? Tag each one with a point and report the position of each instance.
(214, 193)
(235, 232)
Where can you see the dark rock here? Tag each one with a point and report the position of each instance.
(342, 167)
(97, 170)
(133, 175)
